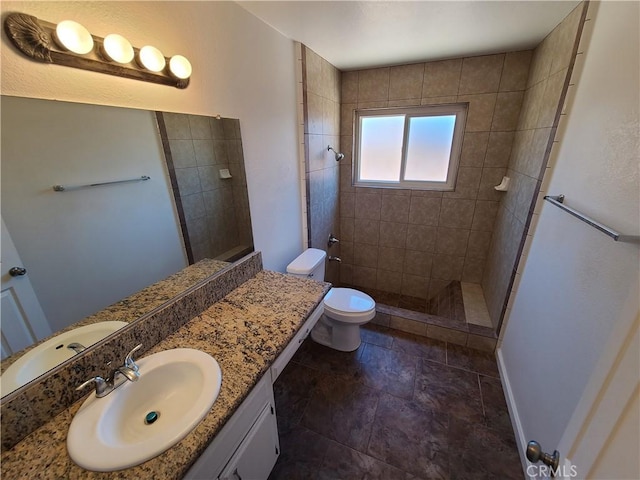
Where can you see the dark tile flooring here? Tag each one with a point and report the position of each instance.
(399, 407)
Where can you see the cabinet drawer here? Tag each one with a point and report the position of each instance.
(287, 353)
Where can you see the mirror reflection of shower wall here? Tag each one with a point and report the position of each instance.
(205, 160)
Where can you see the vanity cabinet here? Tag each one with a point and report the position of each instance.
(247, 447)
(247, 443)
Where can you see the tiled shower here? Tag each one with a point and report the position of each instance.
(411, 243)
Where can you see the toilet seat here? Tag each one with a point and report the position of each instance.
(349, 305)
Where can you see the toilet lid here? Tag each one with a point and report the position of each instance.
(348, 300)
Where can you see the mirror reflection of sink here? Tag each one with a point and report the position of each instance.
(139, 420)
(53, 352)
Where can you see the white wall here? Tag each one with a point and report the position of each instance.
(242, 68)
(88, 248)
(577, 283)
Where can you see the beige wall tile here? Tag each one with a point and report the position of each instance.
(349, 87)
(436, 286)
(484, 215)
(438, 100)
(452, 241)
(346, 274)
(457, 213)
(490, 178)
(182, 153)
(365, 255)
(389, 281)
(447, 267)
(410, 102)
(366, 231)
(467, 183)
(391, 259)
(177, 126)
(368, 205)
(393, 234)
(474, 148)
(373, 85)
(406, 325)
(418, 263)
(345, 179)
(415, 286)
(347, 229)
(507, 111)
(204, 152)
(441, 78)
(421, 237)
(480, 113)
(478, 245)
(521, 150)
(566, 40)
(499, 149)
(364, 277)
(347, 118)
(329, 124)
(550, 103)
(481, 74)
(200, 127)
(479, 342)
(381, 319)
(347, 204)
(315, 152)
(540, 146)
(312, 65)
(473, 269)
(447, 335)
(541, 61)
(346, 252)
(515, 71)
(424, 210)
(395, 208)
(314, 114)
(188, 181)
(405, 81)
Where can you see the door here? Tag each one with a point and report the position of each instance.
(23, 321)
(602, 439)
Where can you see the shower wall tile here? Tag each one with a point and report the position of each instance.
(425, 239)
(546, 86)
(323, 115)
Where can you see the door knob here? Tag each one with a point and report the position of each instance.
(17, 271)
(535, 454)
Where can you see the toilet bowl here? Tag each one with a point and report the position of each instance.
(345, 309)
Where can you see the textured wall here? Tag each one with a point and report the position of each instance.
(416, 242)
(546, 86)
(321, 91)
(242, 68)
(578, 286)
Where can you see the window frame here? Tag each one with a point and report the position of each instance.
(459, 110)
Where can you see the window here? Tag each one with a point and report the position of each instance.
(409, 147)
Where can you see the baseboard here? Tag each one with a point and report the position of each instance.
(521, 440)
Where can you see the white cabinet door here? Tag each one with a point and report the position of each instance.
(258, 452)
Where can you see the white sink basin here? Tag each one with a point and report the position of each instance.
(53, 352)
(111, 433)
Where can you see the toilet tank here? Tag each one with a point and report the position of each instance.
(309, 264)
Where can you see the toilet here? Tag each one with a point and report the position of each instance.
(345, 309)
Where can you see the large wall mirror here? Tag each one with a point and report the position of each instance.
(86, 247)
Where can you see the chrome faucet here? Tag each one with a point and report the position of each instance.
(76, 347)
(117, 376)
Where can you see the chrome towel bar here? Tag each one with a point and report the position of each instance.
(62, 188)
(558, 201)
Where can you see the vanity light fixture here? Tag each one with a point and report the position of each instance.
(74, 37)
(69, 43)
(117, 48)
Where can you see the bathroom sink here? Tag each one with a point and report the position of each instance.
(139, 420)
(53, 352)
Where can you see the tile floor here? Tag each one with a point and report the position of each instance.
(400, 407)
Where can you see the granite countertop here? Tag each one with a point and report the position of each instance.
(139, 303)
(245, 332)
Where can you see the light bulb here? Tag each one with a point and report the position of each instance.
(151, 58)
(117, 48)
(74, 37)
(180, 67)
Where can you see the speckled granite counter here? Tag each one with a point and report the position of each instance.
(139, 303)
(245, 332)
